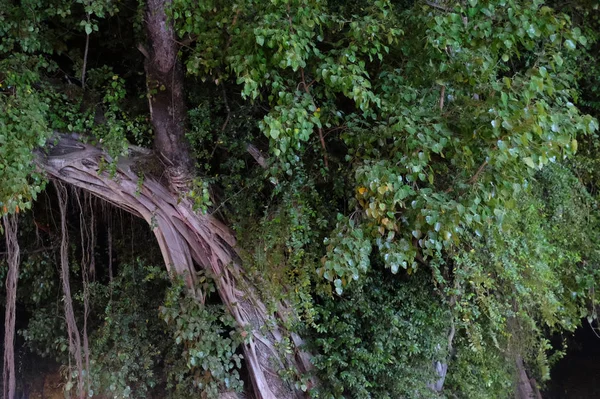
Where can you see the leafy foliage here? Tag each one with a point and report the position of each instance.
(428, 190)
(530, 277)
(205, 333)
(130, 356)
(128, 347)
(395, 332)
(23, 128)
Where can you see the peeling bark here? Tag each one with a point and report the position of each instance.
(186, 238)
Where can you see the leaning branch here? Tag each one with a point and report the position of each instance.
(475, 177)
(257, 155)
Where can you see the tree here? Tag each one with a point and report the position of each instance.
(413, 137)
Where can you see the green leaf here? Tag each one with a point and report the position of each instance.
(529, 162)
(570, 44)
(338, 286)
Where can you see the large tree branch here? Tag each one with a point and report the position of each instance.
(186, 238)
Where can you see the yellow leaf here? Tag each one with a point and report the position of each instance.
(362, 190)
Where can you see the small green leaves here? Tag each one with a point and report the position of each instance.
(199, 194)
(207, 349)
(392, 327)
(23, 128)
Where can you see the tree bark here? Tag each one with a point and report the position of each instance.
(184, 238)
(166, 100)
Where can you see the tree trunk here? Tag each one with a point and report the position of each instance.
(184, 238)
(164, 80)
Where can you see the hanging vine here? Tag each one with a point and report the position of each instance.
(73, 331)
(87, 267)
(13, 252)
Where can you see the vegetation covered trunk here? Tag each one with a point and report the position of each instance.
(186, 239)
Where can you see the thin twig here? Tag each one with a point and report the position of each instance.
(226, 119)
(235, 18)
(257, 155)
(473, 179)
(187, 41)
(143, 50)
(226, 107)
(320, 130)
(334, 129)
(442, 94)
(85, 55)
(438, 6)
(228, 199)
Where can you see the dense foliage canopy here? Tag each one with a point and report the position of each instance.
(415, 182)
